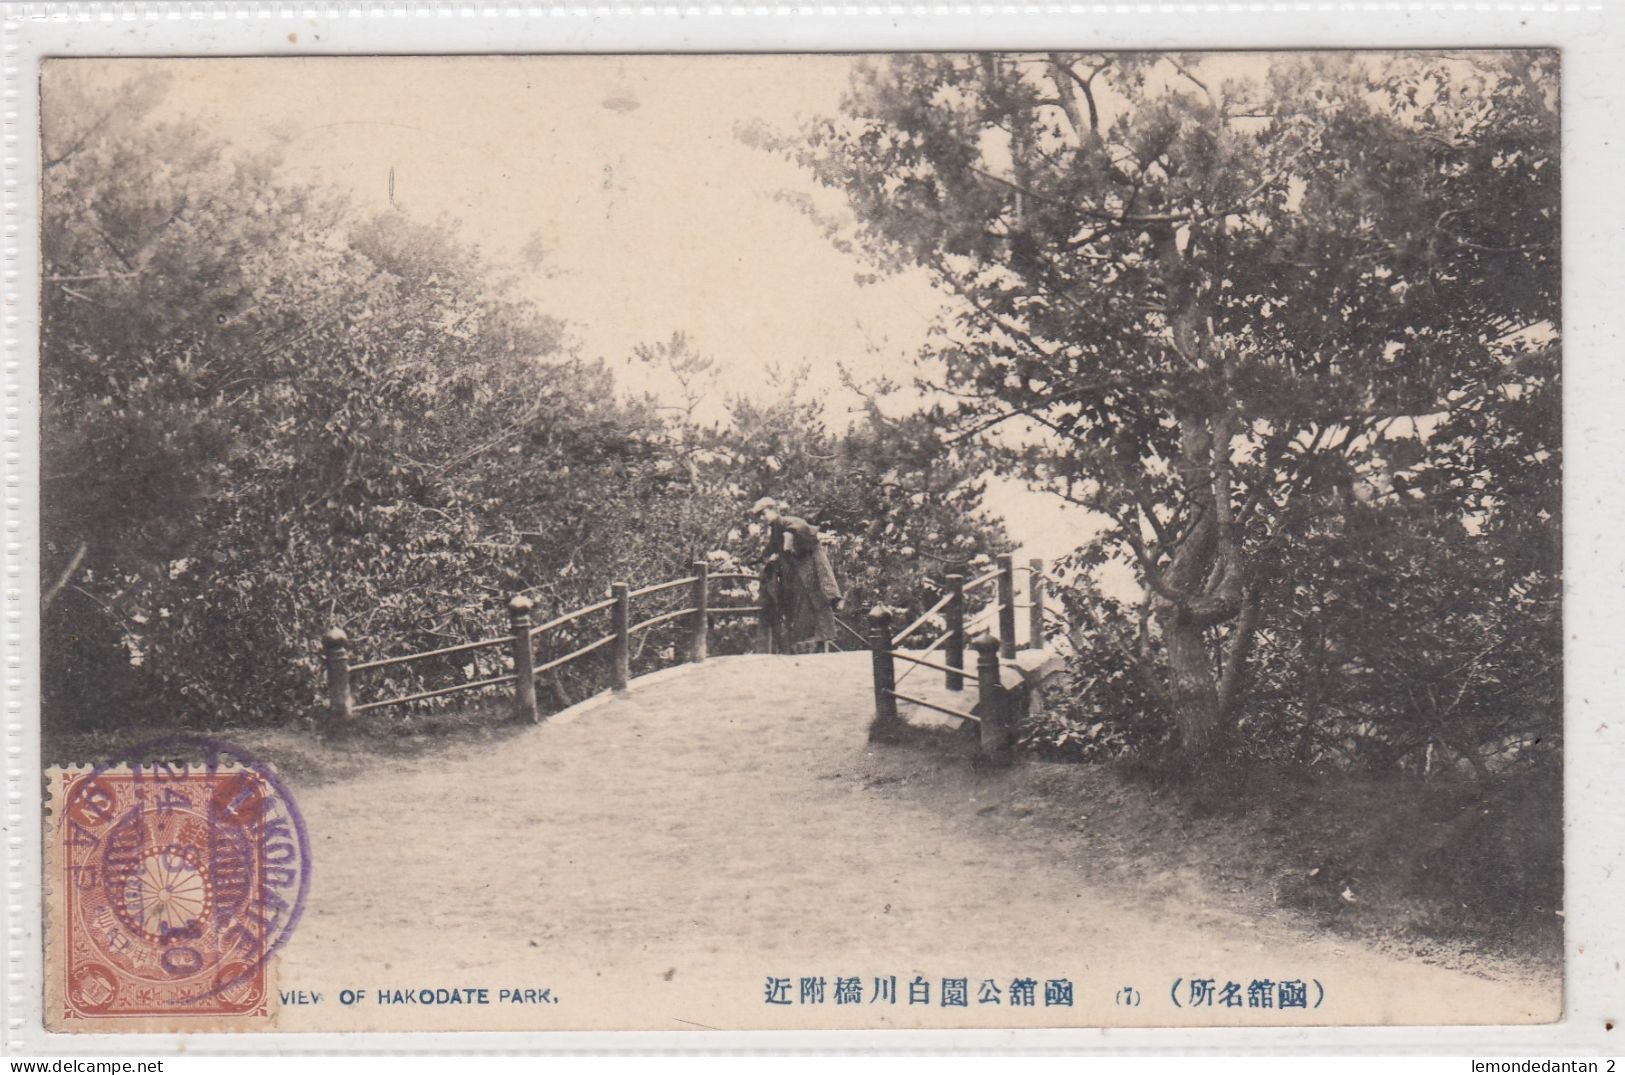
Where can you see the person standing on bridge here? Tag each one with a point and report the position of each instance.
(799, 590)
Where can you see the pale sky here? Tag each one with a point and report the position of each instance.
(653, 215)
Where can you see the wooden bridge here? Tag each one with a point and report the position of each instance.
(651, 854)
(981, 611)
(662, 846)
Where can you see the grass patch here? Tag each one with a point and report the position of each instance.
(298, 754)
(1453, 871)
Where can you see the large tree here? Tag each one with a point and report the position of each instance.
(1207, 306)
(265, 414)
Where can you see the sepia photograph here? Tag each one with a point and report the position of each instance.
(890, 540)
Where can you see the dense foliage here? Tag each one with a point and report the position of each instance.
(1295, 337)
(264, 415)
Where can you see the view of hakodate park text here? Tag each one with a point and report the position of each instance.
(801, 541)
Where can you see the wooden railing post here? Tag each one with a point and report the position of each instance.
(886, 723)
(620, 672)
(523, 660)
(954, 648)
(702, 611)
(1035, 604)
(336, 653)
(996, 747)
(764, 619)
(1007, 605)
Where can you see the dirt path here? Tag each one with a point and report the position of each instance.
(654, 858)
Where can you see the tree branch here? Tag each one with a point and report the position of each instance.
(1067, 83)
(1235, 656)
(1154, 577)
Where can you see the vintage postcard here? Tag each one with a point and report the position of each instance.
(803, 541)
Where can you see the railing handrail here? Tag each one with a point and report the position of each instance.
(484, 643)
(655, 621)
(853, 631)
(904, 655)
(568, 657)
(943, 602)
(461, 647)
(961, 714)
(940, 641)
(982, 580)
(659, 586)
(494, 681)
(524, 634)
(560, 621)
(924, 616)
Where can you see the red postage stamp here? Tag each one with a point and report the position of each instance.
(164, 877)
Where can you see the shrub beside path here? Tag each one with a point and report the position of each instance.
(653, 858)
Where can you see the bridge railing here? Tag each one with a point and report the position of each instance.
(996, 736)
(993, 714)
(952, 608)
(523, 635)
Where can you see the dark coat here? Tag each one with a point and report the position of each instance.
(798, 585)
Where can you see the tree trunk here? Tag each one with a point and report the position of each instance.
(1192, 689)
(1202, 580)
(1203, 585)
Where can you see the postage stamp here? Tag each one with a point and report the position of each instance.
(903, 533)
(171, 884)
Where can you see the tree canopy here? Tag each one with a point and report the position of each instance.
(1246, 319)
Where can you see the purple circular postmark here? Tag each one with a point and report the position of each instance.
(186, 865)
